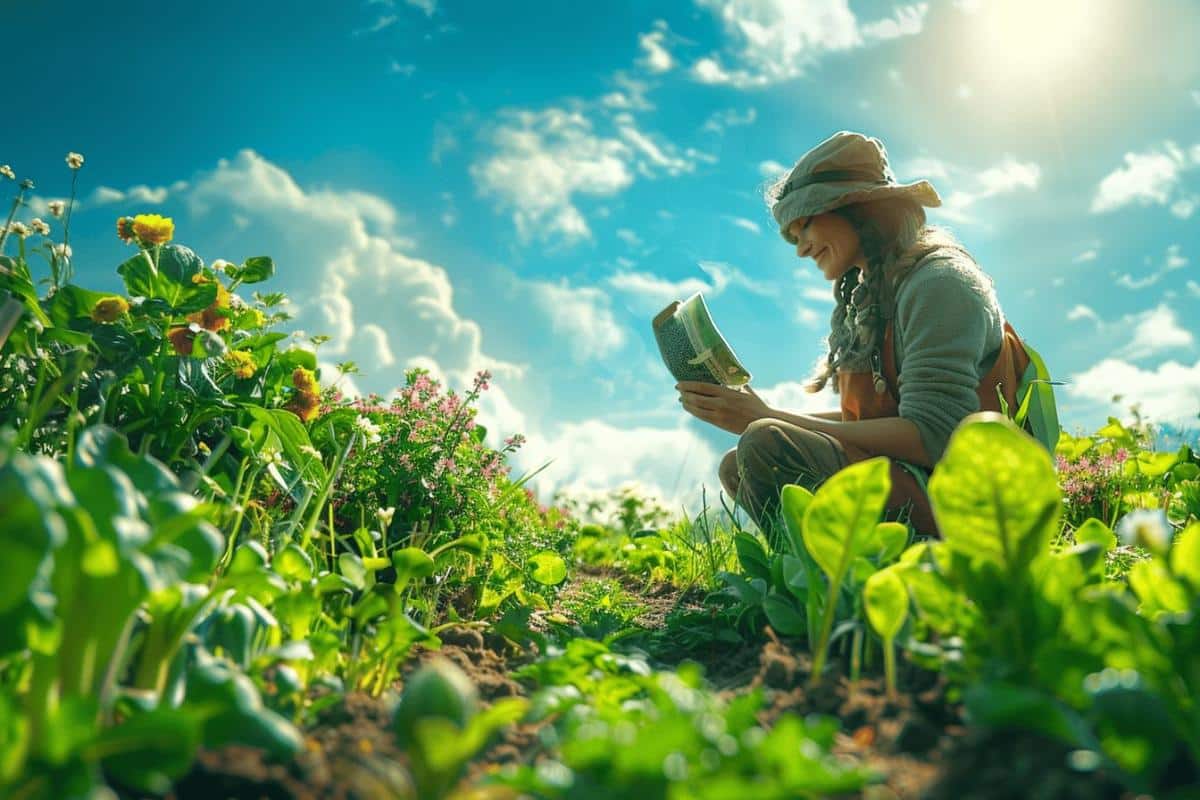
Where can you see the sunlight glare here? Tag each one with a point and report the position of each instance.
(1046, 40)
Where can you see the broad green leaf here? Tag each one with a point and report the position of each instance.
(1093, 531)
(410, 563)
(751, 556)
(1002, 705)
(31, 490)
(995, 492)
(1158, 592)
(886, 542)
(352, 569)
(256, 269)
(293, 436)
(150, 749)
(783, 615)
(794, 501)
(1185, 555)
(293, 563)
(549, 569)
(886, 602)
(843, 514)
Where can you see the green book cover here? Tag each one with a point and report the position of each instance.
(692, 347)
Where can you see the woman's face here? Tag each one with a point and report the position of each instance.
(829, 240)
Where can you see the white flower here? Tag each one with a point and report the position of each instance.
(74, 160)
(384, 515)
(237, 303)
(309, 450)
(7, 172)
(18, 228)
(61, 250)
(271, 456)
(220, 265)
(1148, 528)
(369, 429)
(55, 207)
(39, 227)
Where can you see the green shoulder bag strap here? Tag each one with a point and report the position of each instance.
(1038, 413)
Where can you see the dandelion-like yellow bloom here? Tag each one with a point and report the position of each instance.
(109, 309)
(153, 229)
(241, 362)
(304, 380)
(257, 319)
(125, 229)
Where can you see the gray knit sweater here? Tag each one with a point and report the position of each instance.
(947, 333)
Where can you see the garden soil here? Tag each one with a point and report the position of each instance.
(918, 740)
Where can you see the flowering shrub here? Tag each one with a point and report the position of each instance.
(1090, 485)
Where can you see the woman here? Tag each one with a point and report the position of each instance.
(918, 340)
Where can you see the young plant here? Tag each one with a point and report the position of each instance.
(886, 602)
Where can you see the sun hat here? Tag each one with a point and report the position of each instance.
(846, 168)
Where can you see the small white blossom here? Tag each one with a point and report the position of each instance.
(7, 172)
(39, 227)
(237, 303)
(74, 160)
(19, 228)
(369, 429)
(61, 250)
(384, 515)
(1148, 528)
(309, 450)
(220, 265)
(56, 207)
(271, 456)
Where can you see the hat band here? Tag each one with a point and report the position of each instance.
(831, 176)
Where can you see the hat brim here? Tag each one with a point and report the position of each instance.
(821, 198)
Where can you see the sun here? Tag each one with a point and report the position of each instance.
(1043, 41)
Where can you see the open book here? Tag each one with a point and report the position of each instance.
(692, 347)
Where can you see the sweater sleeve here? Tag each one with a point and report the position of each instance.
(943, 318)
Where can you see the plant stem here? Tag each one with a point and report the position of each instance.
(823, 638)
(889, 667)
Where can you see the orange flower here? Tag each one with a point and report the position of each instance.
(182, 339)
(304, 405)
(109, 309)
(211, 318)
(125, 229)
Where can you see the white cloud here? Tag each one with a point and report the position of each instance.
(402, 69)
(383, 21)
(1171, 262)
(1155, 331)
(1007, 176)
(725, 275)
(629, 96)
(543, 161)
(818, 294)
(1087, 255)
(1168, 393)
(582, 315)
(720, 121)
(629, 237)
(771, 169)
(656, 57)
(649, 293)
(1149, 178)
(138, 195)
(790, 396)
(776, 40)
(1083, 312)
(748, 224)
(808, 317)
(428, 6)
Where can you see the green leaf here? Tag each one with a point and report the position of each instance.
(352, 569)
(995, 493)
(255, 270)
(785, 618)
(887, 541)
(411, 563)
(752, 556)
(794, 501)
(293, 563)
(549, 569)
(1185, 556)
(149, 750)
(842, 515)
(1003, 705)
(31, 490)
(1093, 531)
(886, 602)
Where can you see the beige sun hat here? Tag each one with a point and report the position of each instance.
(846, 168)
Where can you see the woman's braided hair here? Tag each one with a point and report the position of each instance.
(893, 236)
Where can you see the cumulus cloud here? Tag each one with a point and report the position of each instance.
(655, 56)
(962, 187)
(1154, 331)
(1084, 312)
(543, 162)
(649, 293)
(134, 196)
(777, 40)
(771, 169)
(747, 224)
(1168, 393)
(1152, 177)
(581, 314)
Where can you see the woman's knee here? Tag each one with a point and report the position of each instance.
(728, 472)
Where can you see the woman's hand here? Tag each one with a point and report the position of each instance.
(728, 409)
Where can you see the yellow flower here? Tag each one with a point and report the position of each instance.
(241, 362)
(212, 318)
(304, 405)
(108, 309)
(304, 380)
(182, 340)
(153, 229)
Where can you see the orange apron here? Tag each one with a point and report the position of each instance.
(875, 394)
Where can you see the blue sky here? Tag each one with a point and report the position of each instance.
(520, 186)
